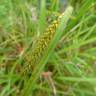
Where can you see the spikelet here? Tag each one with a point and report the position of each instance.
(41, 45)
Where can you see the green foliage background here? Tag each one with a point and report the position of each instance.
(73, 61)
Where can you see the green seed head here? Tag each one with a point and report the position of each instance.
(42, 44)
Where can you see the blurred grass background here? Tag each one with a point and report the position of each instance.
(73, 61)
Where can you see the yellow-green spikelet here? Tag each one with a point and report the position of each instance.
(41, 45)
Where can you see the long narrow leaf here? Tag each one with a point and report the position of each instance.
(31, 83)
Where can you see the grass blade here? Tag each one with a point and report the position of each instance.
(31, 82)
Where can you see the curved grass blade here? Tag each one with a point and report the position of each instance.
(29, 86)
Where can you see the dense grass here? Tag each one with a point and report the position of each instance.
(70, 56)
